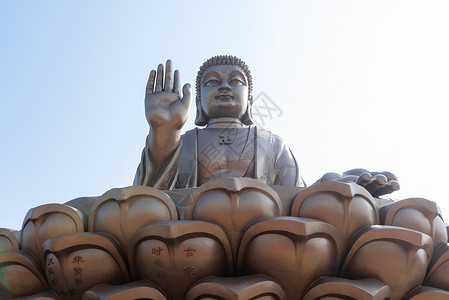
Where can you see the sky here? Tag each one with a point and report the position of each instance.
(349, 84)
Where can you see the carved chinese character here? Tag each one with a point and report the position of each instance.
(79, 281)
(189, 252)
(158, 263)
(77, 259)
(188, 271)
(156, 251)
(50, 261)
(224, 139)
(77, 271)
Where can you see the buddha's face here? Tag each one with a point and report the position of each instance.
(224, 92)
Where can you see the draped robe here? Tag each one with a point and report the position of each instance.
(206, 153)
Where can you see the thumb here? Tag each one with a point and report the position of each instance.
(187, 95)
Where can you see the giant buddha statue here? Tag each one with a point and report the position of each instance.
(221, 212)
(228, 145)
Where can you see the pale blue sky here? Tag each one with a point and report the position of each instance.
(359, 83)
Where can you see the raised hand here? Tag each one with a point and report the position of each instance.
(164, 106)
(166, 111)
(377, 183)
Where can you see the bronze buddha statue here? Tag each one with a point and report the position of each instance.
(229, 145)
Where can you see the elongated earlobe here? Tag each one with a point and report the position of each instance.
(247, 118)
(201, 119)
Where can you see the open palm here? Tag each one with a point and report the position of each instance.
(164, 106)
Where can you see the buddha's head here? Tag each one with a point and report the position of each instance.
(224, 89)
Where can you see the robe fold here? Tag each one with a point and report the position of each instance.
(250, 152)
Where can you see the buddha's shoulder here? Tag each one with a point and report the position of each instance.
(266, 134)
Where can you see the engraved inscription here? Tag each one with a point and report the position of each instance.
(189, 271)
(189, 252)
(158, 263)
(225, 139)
(79, 281)
(77, 271)
(156, 251)
(77, 259)
(50, 261)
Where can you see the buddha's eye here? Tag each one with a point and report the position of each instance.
(211, 81)
(237, 80)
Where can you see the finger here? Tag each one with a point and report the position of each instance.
(390, 176)
(330, 176)
(159, 77)
(176, 84)
(168, 76)
(357, 172)
(390, 187)
(150, 83)
(376, 183)
(348, 178)
(187, 95)
(364, 179)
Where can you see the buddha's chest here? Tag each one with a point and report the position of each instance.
(225, 152)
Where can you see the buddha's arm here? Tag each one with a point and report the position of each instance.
(162, 177)
(162, 143)
(286, 168)
(377, 183)
(166, 112)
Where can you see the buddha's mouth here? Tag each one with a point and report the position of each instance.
(225, 97)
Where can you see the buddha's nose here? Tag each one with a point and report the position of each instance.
(224, 86)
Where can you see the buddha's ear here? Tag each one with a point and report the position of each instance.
(201, 118)
(247, 118)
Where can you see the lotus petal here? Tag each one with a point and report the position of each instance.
(83, 204)
(347, 206)
(142, 290)
(438, 272)
(121, 212)
(293, 251)
(233, 203)
(345, 289)
(175, 254)
(236, 288)
(8, 240)
(427, 293)
(21, 274)
(394, 255)
(77, 262)
(418, 214)
(49, 221)
(47, 295)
